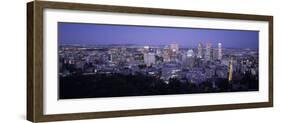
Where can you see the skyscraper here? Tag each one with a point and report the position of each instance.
(190, 53)
(199, 54)
(174, 48)
(166, 55)
(208, 52)
(149, 58)
(146, 49)
(214, 54)
(219, 51)
(230, 70)
(190, 58)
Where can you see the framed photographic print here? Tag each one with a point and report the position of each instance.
(96, 61)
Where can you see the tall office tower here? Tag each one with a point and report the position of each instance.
(166, 55)
(190, 53)
(189, 61)
(208, 52)
(219, 51)
(214, 54)
(230, 70)
(149, 58)
(158, 51)
(146, 49)
(174, 48)
(199, 54)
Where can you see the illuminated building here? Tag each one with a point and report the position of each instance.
(146, 49)
(230, 70)
(149, 58)
(174, 48)
(219, 51)
(199, 54)
(189, 59)
(166, 55)
(208, 52)
(190, 53)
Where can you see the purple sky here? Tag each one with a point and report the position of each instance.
(99, 34)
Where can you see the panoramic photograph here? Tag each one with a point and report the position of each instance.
(105, 60)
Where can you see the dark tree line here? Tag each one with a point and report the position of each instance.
(117, 85)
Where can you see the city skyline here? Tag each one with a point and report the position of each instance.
(100, 34)
(118, 60)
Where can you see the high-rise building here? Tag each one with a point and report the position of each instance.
(158, 51)
(149, 59)
(208, 52)
(214, 54)
(219, 51)
(199, 54)
(190, 58)
(190, 53)
(174, 48)
(146, 49)
(230, 70)
(166, 55)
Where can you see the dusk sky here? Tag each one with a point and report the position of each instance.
(98, 34)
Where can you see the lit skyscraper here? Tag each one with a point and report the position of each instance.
(214, 54)
(174, 50)
(174, 47)
(149, 58)
(208, 52)
(219, 51)
(230, 70)
(199, 54)
(188, 59)
(166, 55)
(190, 53)
(146, 49)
